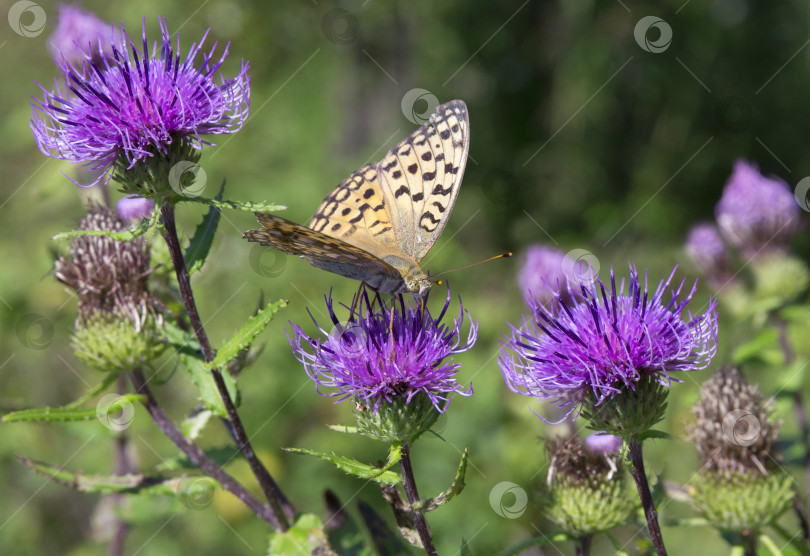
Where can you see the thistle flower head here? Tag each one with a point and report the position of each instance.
(742, 486)
(733, 430)
(756, 213)
(79, 34)
(585, 492)
(101, 270)
(706, 246)
(135, 105)
(542, 274)
(386, 353)
(607, 342)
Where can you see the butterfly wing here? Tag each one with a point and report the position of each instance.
(322, 251)
(356, 212)
(420, 178)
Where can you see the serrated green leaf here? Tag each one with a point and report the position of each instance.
(455, 489)
(50, 414)
(111, 484)
(143, 226)
(344, 428)
(306, 536)
(200, 244)
(192, 426)
(245, 336)
(248, 206)
(188, 350)
(354, 467)
(221, 456)
(655, 434)
(96, 390)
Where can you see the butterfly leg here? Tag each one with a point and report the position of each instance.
(356, 299)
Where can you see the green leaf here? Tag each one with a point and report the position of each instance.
(200, 244)
(221, 457)
(143, 226)
(193, 425)
(188, 349)
(653, 434)
(111, 484)
(245, 336)
(356, 468)
(47, 414)
(762, 348)
(344, 428)
(248, 206)
(306, 536)
(455, 489)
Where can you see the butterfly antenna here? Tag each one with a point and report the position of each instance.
(501, 256)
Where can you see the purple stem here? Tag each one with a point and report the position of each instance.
(275, 497)
(640, 476)
(195, 453)
(409, 484)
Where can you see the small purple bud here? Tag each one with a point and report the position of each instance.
(600, 443)
(133, 208)
(542, 274)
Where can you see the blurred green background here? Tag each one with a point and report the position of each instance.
(579, 138)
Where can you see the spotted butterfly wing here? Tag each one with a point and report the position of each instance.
(380, 222)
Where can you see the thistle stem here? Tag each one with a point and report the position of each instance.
(196, 455)
(640, 476)
(275, 497)
(802, 421)
(122, 466)
(583, 547)
(409, 484)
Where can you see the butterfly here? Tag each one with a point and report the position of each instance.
(379, 224)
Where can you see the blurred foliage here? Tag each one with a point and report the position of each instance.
(580, 138)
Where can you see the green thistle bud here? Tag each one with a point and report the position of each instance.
(742, 502)
(586, 492)
(397, 420)
(741, 486)
(164, 176)
(630, 412)
(779, 279)
(120, 341)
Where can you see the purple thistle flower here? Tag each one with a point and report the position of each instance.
(756, 212)
(357, 357)
(78, 34)
(133, 208)
(706, 246)
(135, 105)
(543, 274)
(606, 342)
